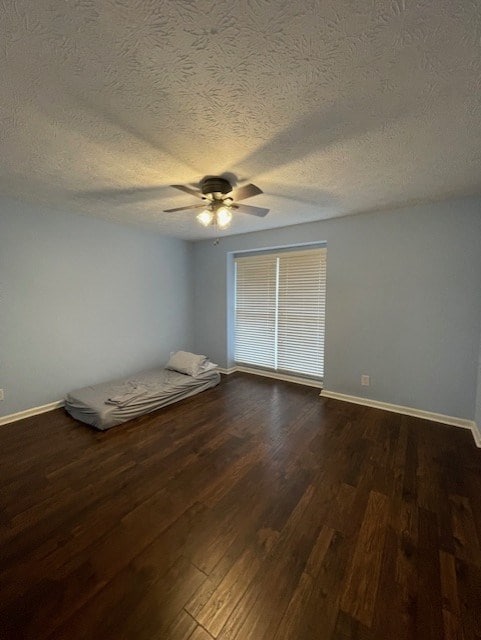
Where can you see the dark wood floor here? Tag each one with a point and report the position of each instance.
(254, 511)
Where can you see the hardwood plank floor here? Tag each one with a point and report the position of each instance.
(256, 510)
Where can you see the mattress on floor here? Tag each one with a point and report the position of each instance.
(157, 388)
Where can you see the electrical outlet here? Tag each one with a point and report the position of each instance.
(1, 395)
(365, 380)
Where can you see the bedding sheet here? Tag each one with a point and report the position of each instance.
(108, 404)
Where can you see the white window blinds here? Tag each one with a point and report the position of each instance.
(280, 311)
(255, 313)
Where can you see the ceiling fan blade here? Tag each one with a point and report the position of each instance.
(253, 211)
(192, 192)
(192, 206)
(247, 191)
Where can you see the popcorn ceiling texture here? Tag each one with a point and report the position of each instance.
(331, 106)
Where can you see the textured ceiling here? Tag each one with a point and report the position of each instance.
(330, 106)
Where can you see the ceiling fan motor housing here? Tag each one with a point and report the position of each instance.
(213, 186)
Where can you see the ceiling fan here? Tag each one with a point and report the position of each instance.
(220, 199)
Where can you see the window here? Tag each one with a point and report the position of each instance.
(280, 307)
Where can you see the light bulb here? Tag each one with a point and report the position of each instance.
(205, 217)
(224, 217)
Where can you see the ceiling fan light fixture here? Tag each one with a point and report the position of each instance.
(223, 217)
(205, 218)
(220, 198)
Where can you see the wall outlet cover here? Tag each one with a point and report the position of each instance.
(365, 380)
(1, 394)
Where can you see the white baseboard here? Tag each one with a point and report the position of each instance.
(407, 411)
(227, 372)
(273, 374)
(476, 430)
(28, 413)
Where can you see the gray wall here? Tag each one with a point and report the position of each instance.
(83, 300)
(403, 302)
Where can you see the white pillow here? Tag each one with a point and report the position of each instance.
(185, 362)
